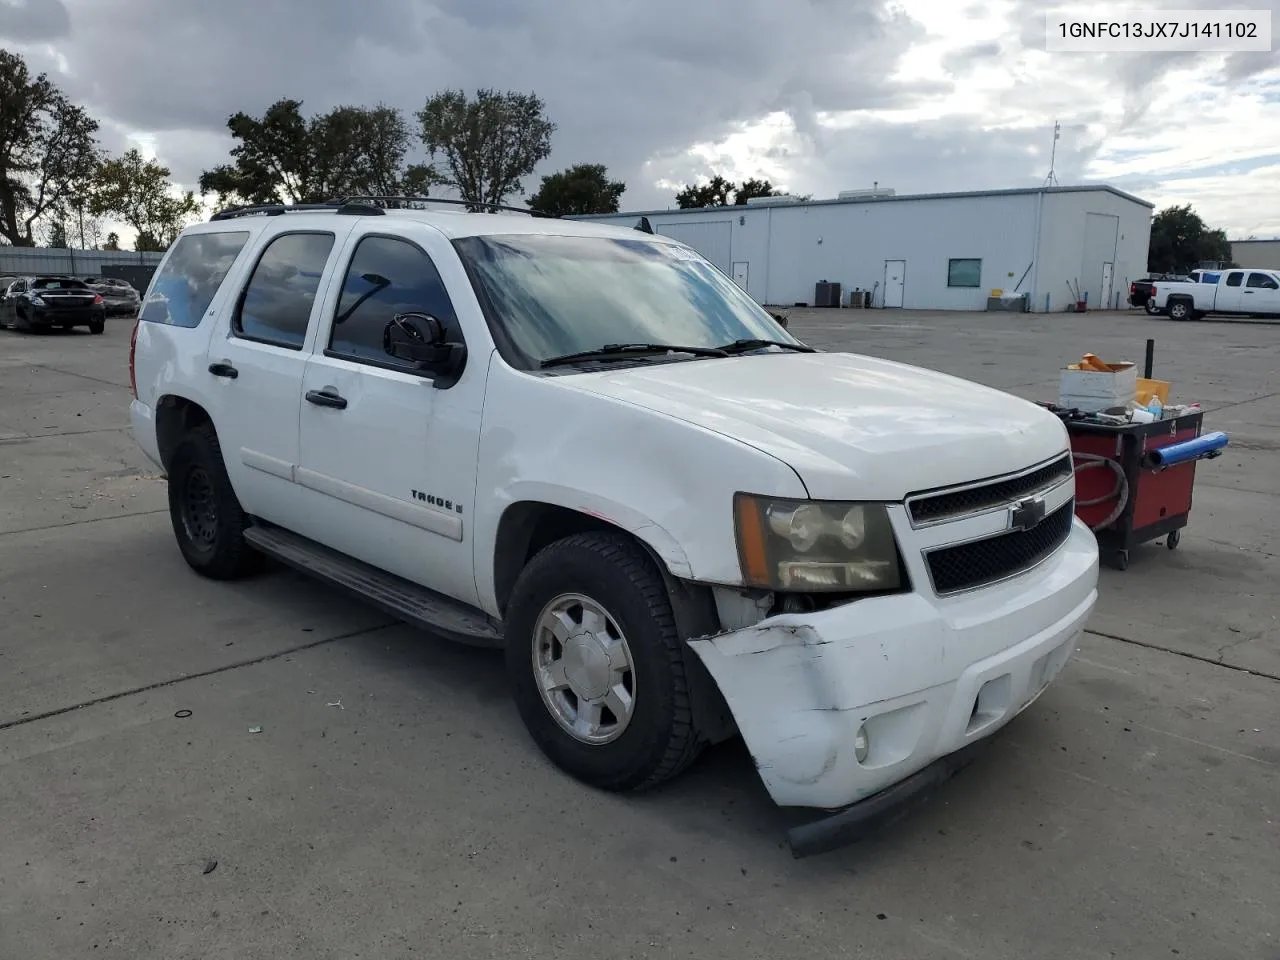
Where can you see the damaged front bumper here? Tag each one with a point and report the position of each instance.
(911, 680)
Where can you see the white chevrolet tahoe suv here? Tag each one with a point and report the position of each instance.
(587, 446)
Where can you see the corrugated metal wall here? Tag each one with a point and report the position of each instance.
(32, 260)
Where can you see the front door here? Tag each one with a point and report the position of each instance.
(388, 460)
(1108, 273)
(1261, 294)
(895, 282)
(254, 365)
(740, 271)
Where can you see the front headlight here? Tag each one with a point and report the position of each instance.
(812, 546)
(37, 301)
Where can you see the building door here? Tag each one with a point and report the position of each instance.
(1108, 271)
(895, 282)
(740, 270)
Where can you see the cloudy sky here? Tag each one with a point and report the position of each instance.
(816, 95)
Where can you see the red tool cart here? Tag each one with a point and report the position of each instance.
(1127, 490)
(1123, 499)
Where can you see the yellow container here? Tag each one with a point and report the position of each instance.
(1152, 388)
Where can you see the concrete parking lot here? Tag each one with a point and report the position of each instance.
(392, 805)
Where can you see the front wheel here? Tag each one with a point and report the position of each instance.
(596, 667)
(208, 521)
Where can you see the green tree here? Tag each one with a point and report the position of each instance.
(48, 145)
(57, 236)
(714, 193)
(284, 156)
(112, 242)
(138, 192)
(749, 189)
(1180, 241)
(488, 144)
(581, 189)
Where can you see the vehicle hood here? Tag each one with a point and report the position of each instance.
(851, 427)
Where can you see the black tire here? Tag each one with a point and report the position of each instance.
(1151, 308)
(660, 739)
(1180, 310)
(1174, 538)
(97, 326)
(208, 521)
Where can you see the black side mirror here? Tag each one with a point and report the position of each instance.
(782, 321)
(419, 339)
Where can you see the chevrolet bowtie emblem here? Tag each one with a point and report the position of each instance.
(1026, 514)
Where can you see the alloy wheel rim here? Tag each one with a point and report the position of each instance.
(583, 668)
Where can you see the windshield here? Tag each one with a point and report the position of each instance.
(556, 295)
(58, 284)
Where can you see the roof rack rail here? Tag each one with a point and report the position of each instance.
(360, 198)
(278, 209)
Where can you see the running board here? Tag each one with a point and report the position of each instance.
(406, 601)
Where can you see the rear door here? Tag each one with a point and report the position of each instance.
(255, 363)
(1228, 294)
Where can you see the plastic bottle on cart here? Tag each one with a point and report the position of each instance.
(1156, 407)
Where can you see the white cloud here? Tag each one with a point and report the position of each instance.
(816, 95)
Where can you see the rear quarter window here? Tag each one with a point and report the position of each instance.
(189, 279)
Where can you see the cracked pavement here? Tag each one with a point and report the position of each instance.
(391, 804)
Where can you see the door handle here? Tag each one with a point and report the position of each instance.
(224, 370)
(326, 398)
(1249, 291)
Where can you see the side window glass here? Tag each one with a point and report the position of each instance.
(386, 276)
(1233, 279)
(190, 277)
(276, 305)
(1260, 281)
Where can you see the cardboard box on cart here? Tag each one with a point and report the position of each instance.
(1093, 386)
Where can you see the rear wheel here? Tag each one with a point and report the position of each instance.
(1151, 307)
(208, 521)
(596, 667)
(1180, 310)
(97, 326)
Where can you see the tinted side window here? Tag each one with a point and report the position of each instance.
(386, 276)
(1233, 279)
(1261, 281)
(187, 282)
(276, 305)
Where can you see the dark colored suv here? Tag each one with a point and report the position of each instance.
(41, 303)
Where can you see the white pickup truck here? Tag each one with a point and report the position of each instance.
(586, 446)
(1238, 292)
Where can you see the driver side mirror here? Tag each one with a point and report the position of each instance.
(419, 339)
(782, 321)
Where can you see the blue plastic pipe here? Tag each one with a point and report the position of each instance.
(1176, 453)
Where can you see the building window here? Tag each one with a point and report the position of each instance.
(964, 273)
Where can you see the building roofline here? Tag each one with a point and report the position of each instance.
(1258, 240)
(1013, 191)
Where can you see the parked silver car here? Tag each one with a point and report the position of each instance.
(119, 295)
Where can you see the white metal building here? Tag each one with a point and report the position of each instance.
(944, 251)
(1260, 254)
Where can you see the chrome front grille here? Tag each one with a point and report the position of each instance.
(954, 503)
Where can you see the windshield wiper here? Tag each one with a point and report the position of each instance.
(742, 346)
(625, 351)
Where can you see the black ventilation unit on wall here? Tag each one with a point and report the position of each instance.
(826, 294)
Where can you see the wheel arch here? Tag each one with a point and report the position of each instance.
(175, 416)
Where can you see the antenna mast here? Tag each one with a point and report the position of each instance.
(1052, 178)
